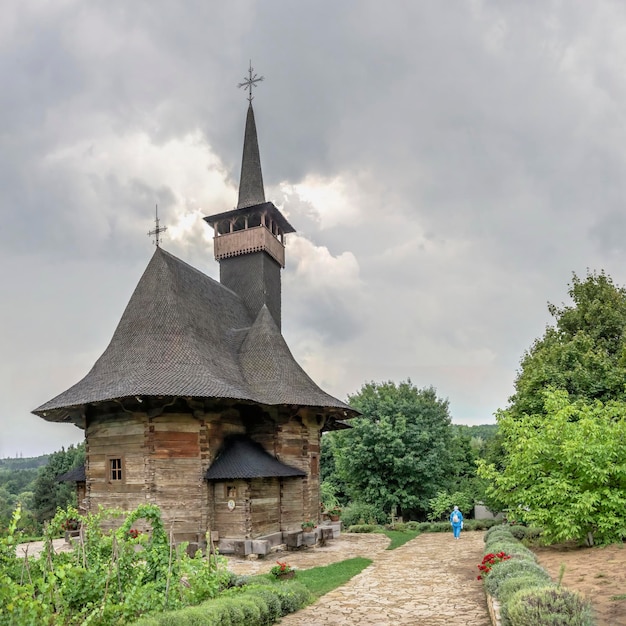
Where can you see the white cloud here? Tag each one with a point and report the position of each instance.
(334, 201)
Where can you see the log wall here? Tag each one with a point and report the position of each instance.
(264, 506)
(164, 460)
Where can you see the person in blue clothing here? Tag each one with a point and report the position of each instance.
(456, 519)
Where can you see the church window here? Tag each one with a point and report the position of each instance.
(231, 491)
(115, 469)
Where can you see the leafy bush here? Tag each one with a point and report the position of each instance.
(519, 532)
(361, 513)
(328, 495)
(433, 527)
(549, 605)
(441, 505)
(532, 532)
(478, 524)
(512, 567)
(365, 528)
(112, 577)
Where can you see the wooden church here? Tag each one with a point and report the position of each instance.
(197, 404)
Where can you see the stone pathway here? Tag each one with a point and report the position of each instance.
(430, 581)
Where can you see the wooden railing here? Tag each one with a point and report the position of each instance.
(255, 239)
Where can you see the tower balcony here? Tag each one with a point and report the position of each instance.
(248, 240)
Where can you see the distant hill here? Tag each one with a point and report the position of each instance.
(482, 431)
(31, 462)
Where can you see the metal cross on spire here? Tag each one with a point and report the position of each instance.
(250, 82)
(158, 229)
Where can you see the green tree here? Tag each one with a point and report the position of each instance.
(583, 353)
(48, 494)
(398, 453)
(566, 473)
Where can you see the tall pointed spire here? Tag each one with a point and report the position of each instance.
(251, 190)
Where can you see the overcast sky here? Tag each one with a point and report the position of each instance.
(447, 166)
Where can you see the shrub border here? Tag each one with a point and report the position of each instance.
(494, 605)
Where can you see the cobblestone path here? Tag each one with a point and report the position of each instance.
(429, 581)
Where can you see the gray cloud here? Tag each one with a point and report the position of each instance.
(475, 151)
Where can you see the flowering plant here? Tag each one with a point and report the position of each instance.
(308, 525)
(133, 533)
(281, 568)
(489, 560)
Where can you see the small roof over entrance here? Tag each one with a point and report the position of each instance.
(243, 458)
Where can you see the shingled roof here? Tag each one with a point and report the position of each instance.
(242, 458)
(76, 475)
(183, 334)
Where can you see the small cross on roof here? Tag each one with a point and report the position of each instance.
(250, 82)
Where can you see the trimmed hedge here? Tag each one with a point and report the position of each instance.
(513, 567)
(425, 527)
(511, 547)
(525, 590)
(519, 532)
(549, 605)
(365, 528)
(254, 605)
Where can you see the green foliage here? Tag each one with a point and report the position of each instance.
(582, 354)
(365, 528)
(525, 590)
(328, 496)
(23, 463)
(398, 453)
(293, 596)
(441, 505)
(549, 606)
(329, 474)
(565, 474)
(517, 581)
(48, 494)
(361, 513)
(484, 432)
(497, 529)
(513, 567)
(112, 577)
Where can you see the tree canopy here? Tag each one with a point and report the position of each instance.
(566, 473)
(398, 454)
(50, 494)
(583, 353)
(562, 459)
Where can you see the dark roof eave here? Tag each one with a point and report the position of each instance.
(74, 413)
(250, 210)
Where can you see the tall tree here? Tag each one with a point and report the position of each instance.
(566, 473)
(560, 446)
(48, 493)
(398, 452)
(583, 353)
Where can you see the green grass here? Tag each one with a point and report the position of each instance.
(400, 537)
(622, 596)
(321, 580)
